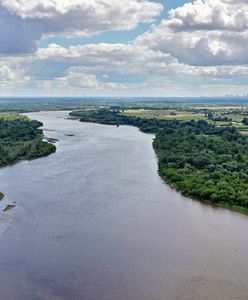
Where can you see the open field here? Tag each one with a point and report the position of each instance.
(165, 114)
(216, 115)
(11, 116)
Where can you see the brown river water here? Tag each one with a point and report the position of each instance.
(94, 221)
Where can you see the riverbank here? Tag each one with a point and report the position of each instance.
(235, 208)
(200, 160)
(21, 139)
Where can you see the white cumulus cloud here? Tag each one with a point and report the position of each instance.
(27, 21)
(6, 74)
(205, 32)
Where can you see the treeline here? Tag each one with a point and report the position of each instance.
(21, 138)
(199, 159)
(113, 117)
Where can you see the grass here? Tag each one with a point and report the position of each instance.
(12, 116)
(181, 115)
(235, 117)
(244, 131)
(219, 124)
(165, 114)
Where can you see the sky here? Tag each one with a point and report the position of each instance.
(131, 48)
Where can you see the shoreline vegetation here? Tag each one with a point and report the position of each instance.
(1, 196)
(21, 139)
(201, 160)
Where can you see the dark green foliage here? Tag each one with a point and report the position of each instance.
(210, 115)
(199, 159)
(21, 139)
(221, 119)
(245, 121)
(204, 161)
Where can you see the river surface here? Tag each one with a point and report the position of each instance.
(94, 221)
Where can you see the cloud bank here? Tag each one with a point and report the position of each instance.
(23, 22)
(205, 32)
(200, 49)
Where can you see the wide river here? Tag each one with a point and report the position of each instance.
(94, 221)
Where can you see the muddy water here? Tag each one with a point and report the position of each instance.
(94, 221)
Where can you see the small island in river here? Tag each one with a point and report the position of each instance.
(9, 207)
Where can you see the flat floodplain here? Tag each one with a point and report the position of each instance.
(95, 221)
(165, 114)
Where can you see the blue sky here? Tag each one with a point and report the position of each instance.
(115, 36)
(131, 48)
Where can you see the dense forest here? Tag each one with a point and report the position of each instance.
(199, 159)
(204, 161)
(21, 138)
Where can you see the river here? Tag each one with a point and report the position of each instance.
(94, 221)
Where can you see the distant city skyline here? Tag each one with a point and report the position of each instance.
(133, 48)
